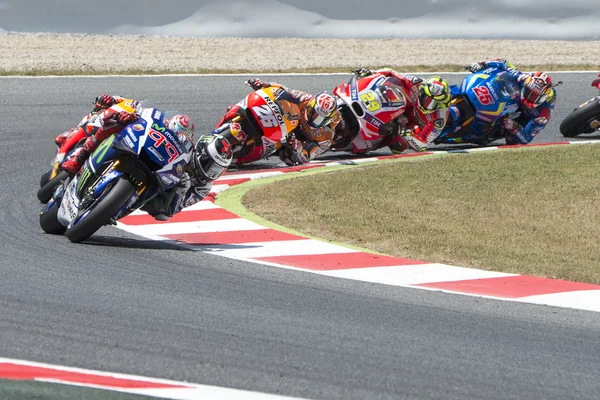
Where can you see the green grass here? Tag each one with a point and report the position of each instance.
(530, 211)
(29, 390)
(411, 68)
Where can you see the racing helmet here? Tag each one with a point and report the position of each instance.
(212, 157)
(537, 88)
(182, 125)
(434, 94)
(321, 110)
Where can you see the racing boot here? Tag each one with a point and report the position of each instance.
(415, 140)
(74, 164)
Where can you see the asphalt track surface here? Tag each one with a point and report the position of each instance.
(125, 304)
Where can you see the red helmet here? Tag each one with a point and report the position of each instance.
(537, 88)
(182, 125)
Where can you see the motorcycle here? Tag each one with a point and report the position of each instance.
(371, 108)
(125, 172)
(484, 97)
(585, 118)
(257, 126)
(76, 137)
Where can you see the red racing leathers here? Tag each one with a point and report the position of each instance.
(425, 127)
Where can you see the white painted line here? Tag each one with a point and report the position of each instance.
(190, 391)
(276, 248)
(583, 299)
(414, 274)
(249, 175)
(221, 225)
(219, 188)
(201, 205)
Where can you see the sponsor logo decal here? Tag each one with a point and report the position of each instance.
(138, 127)
(155, 153)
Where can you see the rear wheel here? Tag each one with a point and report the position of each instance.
(101, 211)
(49, 220)
(580, 120)
(45, 193)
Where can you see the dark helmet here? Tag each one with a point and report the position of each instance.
(212, 157)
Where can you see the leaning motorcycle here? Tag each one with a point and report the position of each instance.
(486, 96)
(257, 126)
(585, 118)
(76, 137)
(370, 108)
(125, 172)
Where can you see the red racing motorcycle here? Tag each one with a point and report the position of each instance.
(257, 127)
(585, 118)
(371, 108)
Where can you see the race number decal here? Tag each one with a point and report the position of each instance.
(265, 115)
(370, 101)
(160, 140)
(483, 95)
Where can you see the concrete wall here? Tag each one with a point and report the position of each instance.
(520, 19)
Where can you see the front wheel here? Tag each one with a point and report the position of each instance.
(581, 120)
(45, 177)
(49, 220)
(45, 193)
(101, 211)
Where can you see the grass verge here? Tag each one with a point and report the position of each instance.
(529, 210)
(29, 390)
(403, 68)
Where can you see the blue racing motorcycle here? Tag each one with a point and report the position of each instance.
(125, 172)
(477, 107)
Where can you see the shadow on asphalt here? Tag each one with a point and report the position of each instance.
(131, 243)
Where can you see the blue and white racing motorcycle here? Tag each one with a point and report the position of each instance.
(484, 98)
(125, 172)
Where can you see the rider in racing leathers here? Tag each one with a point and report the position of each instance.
(210, 158)
(318, 116)
(101, 103)
(537, 101)
(426, 111)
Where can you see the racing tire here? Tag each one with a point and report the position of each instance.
(49, 221)
(102, 211)
(578, 121)
(45, 177)
(45, 193)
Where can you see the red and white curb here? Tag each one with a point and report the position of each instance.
(209, 228)
(31, 371)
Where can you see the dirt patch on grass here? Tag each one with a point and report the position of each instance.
(528, 211)
(36, 54)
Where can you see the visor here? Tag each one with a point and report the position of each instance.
(210, 167)
(534, 95)
(315, 120)
(428, 103)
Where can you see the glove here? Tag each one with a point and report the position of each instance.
(362, 72)
(104, 101)
(185, 182)
(256, 83)
(127, 118)
(510, 125)
(475, 67)
(294, 144)
(293, 153)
